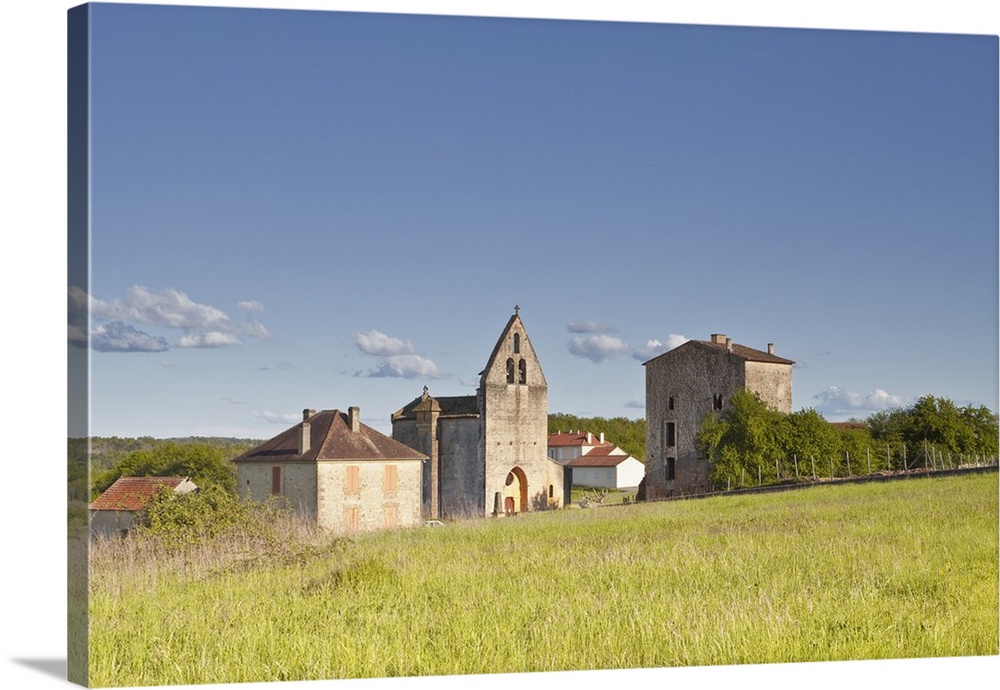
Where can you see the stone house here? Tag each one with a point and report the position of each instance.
(116, 511)
(487, 452)
(594, 462)
(689, 382)
(337, 472)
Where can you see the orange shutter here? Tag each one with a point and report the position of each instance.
(389, 480)
(352, 483)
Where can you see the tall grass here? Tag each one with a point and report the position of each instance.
(905, 569)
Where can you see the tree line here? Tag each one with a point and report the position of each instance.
(749, 443)
(627, 434)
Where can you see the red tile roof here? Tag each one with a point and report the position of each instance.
(575, 439)
(745, 353)
(600, 457)
(134, 493)
(331, 438)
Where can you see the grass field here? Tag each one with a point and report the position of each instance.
(895, 570)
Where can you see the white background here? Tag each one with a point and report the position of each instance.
(32, 268)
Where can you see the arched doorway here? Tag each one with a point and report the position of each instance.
(515, 492)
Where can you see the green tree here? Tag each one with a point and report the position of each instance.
(745, 441)
(809, 438)
(207, 465)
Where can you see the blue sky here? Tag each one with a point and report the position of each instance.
(318, 209)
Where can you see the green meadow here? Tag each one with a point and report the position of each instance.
(869, 571)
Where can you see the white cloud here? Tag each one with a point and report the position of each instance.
(119, 337)
(636, 404)
(590, 327)
(408, 366)
(170, 308)
(272, 418)
(209, 339)
(255, 329)
(378, 344)
(397, 358)
(836, 402)
(250, 305)
(654, 348)
(203, 325)
(596, 348)
(280, 366)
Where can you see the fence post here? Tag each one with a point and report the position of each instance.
(777, 472)
(831, 467)
(888, 458)
(813, 458)
(795, 459)
(869, 451)
(848, 454)
(760, 477)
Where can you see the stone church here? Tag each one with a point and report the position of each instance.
(487, 453)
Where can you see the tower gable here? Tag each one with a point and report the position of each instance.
(513, 360)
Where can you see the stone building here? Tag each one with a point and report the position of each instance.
(117, 510)
(333, 470)
(685, 384)
(487, 452)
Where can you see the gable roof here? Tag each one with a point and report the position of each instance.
(515, 319)
(602, 456)
(330, 438)
(572, 438)
(134, 493)
(747, 354)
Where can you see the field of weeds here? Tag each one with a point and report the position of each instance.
(895, 570)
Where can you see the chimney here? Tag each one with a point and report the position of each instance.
(770, 348)
(718, 338)
(305, 431)
(602, 437)
(590, 438)
(729, 344)
(354, 419)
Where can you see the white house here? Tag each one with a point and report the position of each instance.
(594, 462)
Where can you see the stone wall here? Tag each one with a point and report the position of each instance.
(376, 508)
(298, 484)
(461, 473)
(696, 378)
(772, 383)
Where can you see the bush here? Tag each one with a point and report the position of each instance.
(203, 514)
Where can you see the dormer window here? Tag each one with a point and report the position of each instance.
(517, 343)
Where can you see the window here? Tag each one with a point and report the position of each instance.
(352, 480)
(389, 480)
(510, 371)
(670, 403)
(517, 343)
(522, 372)
(671, 468)
(671, 435)
(276, 480)
(551, 490)
(352, 519)
(717, 402)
